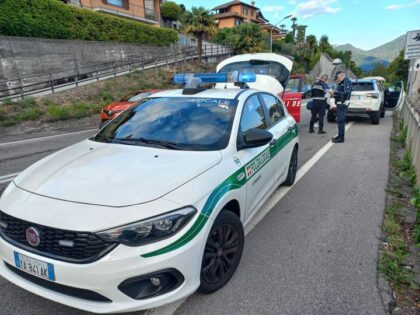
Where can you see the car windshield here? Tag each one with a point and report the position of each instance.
(134, 97)
(363, 86)
(180, 123)
(274, 69)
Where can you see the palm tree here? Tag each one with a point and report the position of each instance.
(199, 22)
(294, 26)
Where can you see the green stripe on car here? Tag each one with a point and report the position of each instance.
(234, 181)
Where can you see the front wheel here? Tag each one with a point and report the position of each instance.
(291, 174)
(222, 253)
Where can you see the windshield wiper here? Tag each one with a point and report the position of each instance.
(131, 141)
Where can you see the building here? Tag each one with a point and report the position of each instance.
(146, 11)
(236, 12)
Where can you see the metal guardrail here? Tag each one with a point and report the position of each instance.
(52, 82)
(411, 117)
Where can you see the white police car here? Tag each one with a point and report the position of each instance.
(153, 207)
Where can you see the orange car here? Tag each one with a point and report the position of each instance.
(112, 110)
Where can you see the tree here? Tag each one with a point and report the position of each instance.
(324, 44)
(199, 22)
(171, 11)
(398, 69)
(244, 38)
(289, 38)
(301, 33)
(311, 40)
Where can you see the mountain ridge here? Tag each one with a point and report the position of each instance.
(384, 54)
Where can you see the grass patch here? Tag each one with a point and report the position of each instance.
(407, 168)
(390, 266)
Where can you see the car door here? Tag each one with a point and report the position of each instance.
(394, 96)
(279, 127)
(257, 164)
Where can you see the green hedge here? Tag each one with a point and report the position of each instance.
(54, 19)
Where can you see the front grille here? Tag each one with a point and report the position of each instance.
(60, 288)
(87, 247)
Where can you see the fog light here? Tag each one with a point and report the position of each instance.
(151, 285)
(155, 281)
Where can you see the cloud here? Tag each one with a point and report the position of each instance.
(394, 7)
(311, 8)
(275, 9)
(399, 6)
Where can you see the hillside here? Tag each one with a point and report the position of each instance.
(366, 59)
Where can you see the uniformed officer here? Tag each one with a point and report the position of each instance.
(319, 106)
(342, 96)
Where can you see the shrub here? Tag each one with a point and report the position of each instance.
(54, 19)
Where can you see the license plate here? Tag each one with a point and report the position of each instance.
(34, 266)
(356, 97)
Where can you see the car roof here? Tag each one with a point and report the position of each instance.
(208, 93)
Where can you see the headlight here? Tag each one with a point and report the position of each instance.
(150, 230)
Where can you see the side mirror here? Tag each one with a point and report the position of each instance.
(256, 137)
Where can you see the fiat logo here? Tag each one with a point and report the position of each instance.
(32, 236)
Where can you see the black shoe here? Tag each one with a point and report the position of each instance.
(321, 132)
(335, 138)
(338, 140)
(311, 131)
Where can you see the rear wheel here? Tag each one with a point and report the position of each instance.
(291, 174)
(331, 116)
(382, 113)
(222, 253)
(374, 117)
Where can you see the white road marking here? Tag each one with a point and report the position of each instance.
(46, 137)
(7, 178)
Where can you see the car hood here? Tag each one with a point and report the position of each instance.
(120, 106)
(114, 175)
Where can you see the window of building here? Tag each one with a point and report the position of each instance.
(237, 22)
(149, 9)
(252, 12)
(118, 3)
(245, 11)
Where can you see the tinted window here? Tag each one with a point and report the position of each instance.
(253, 115)
(363, 86)
(184, 123)
(273, 107)
(274, 69)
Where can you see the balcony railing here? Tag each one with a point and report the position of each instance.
(132, 11)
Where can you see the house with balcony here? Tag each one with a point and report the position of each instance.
(146, 11)
(236, 12)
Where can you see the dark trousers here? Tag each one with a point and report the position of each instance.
(341, 120)
(318, 110)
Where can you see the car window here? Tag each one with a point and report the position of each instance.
(363, 86)
(274, 107)
(253, 114)
(187, 123)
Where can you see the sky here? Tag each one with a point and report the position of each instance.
(365, 24)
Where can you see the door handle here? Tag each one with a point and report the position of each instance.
(290, 128)
(273, 142)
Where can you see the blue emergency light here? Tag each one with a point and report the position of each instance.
(229, 77)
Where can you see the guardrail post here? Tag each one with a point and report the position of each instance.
(20, 87)
(52, 83)
(97, 73)
(76, 70)
(142, 61)
(113, 68)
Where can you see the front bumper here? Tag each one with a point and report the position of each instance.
(105, 275)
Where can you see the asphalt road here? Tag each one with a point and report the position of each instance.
(315, 252)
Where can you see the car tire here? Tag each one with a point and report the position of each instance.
(382, 113)
(222, 252)
(291, 174)
(375, 117)
(330, 116)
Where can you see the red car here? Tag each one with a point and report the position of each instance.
(293, 95)
(112, 110)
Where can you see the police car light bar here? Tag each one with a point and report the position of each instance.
(230, 77)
